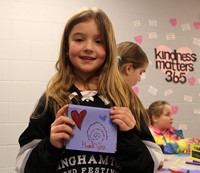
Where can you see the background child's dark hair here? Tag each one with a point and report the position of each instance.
(130, 52)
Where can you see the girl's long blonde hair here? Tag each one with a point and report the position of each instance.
(110, 85)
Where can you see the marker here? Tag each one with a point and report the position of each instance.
(193, 163)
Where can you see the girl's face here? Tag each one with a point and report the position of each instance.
(132, 75)
(86, 50)
(165, 120)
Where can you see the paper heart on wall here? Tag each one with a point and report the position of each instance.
(138, 39)
(78, 117)
(135, 90)
(174, 109)
(173, 21)
(197, 25)
(191, 81)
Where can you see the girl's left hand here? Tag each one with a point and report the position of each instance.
(123, 117)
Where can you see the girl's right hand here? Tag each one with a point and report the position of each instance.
(61, 128)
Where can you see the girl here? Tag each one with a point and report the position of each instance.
(86, 68)
(132, 61)
(170, 139)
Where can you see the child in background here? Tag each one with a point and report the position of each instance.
(170, 139)
(132, 62)
(86, 68)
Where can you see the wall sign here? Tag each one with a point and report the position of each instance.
(175, 64)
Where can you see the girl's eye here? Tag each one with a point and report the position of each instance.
(168, 115)
(79, 39)
(98, 41)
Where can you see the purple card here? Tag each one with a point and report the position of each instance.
(94, 131)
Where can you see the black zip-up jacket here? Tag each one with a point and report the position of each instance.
(37, 155)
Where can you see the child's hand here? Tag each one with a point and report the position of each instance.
(189, 141)
(61, 128)
(123, 117)
(196, 140)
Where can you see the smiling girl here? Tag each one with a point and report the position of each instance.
(86, 68)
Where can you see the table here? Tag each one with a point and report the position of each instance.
(175, 163)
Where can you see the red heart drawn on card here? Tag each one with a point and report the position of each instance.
(174, 109)
(78, 117)
(197, 25)
(191, 80)
(173, 21)
(138, 39)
